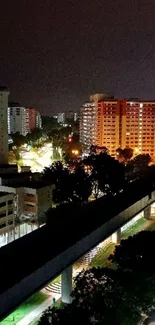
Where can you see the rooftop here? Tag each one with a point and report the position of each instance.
(36, 184)
(15, 175)
(8, 166)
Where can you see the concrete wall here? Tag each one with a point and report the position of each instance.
(14, 296)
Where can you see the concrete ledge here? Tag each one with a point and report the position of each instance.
(14, 296)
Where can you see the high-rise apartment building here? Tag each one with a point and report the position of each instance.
(22, 119)
(119, 123)
(61, 118)
(67, 117)
(88, 124)
(4, 93)
(137, 126)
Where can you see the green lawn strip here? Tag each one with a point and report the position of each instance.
(29, 305)
(101, 258)
(133, 229)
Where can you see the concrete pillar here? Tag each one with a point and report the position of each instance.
(147, 212)
(116, 236)
(66, 285)
(18, 231)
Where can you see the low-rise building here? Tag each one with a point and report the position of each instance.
(37, 200)
(7, 213)
(31, 200)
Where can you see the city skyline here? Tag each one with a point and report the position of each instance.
(57, 55)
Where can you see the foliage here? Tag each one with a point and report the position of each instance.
(59, 136)
(124, 155)
(94, 150)
(99, 298)
(18, 139)
(107, 174)
(11, 157)
(72, 150)
(108, 296)
(34, 137)
(56, 154)
(138, 166)
(133, 254)
(69, 187)
(49, 123)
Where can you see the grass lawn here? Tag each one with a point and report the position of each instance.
(101, 258)
(134, 228)
(25, 308)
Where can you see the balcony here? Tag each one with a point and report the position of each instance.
(30, 198)
(29, 208)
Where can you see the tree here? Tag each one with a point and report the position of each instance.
(94, 150)
(72, 150)
(18, 139)
(34, 137)
(107, 174)
(141, 161)
(11, 157)
(138, 166)
(49, 123)
(101, 292)
(99, 298)
(56, 155)
(59, 176)
(67, 314)
(55, 172)
(136, 253)
(124, 155)
(134, 257)
(82, 185)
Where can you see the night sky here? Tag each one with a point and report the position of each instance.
(54, 54)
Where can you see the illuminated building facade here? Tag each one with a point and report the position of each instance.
(138, 126)
(88, 124)
(22, 119)
(119, 123)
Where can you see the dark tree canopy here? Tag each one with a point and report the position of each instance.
(136, 253)
(124, 155)
(99, 298)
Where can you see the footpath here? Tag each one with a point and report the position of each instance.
(28, 319)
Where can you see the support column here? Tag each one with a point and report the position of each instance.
(116, 236)
(66, 285)
(147, 212)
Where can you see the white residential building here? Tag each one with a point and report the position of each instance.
(22, 119)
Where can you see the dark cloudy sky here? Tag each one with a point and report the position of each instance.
(55, 53)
